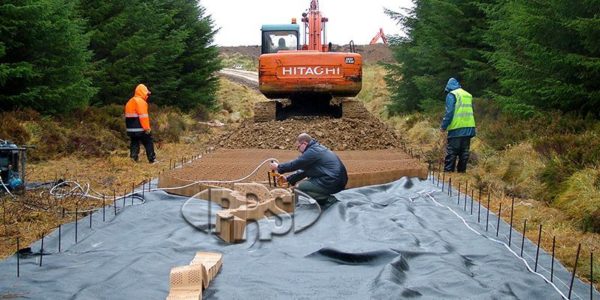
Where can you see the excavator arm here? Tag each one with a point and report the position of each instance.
(379, 35)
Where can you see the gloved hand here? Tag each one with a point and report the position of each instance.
(148, 131)
(281, 181)
(273, 165)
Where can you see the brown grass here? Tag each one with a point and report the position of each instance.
(555, 223)
(511, 166)
(30, 215)
(177, 136)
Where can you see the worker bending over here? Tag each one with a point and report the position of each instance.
(325, 171)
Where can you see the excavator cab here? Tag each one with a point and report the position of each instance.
(279, 37)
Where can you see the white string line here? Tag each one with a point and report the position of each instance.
(497, 241)
(531, 257)
(6, 188)
(479, 201)
(84, 192)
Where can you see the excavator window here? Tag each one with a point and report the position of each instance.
(274, 41)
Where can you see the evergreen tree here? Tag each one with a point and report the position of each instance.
(443, 39)
(547, 54)
(164, 44)
(43, 57)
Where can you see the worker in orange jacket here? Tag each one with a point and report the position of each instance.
(137, 122)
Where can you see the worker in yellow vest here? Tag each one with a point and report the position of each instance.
(137, 122)
(459, 122)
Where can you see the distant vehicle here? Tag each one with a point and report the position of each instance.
(306, 79)
(379, 35)
(238, 67)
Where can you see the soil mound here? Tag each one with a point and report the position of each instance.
(336, 134)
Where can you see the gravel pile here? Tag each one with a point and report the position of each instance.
(336, 134)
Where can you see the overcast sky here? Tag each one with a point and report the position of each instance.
(240, 20)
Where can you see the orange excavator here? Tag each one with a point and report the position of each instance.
(379, 35)
(307, 79)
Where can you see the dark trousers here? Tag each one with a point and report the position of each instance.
(146, 140)
(458, 147)
(316, 192)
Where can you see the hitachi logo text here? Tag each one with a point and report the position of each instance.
(305, 71)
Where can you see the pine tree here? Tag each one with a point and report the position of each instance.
(443, 39)
(164, 44)
(547, 54)
(44, 59)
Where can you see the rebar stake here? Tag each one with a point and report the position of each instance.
(479, 204)
(552, 265)
(59, 236)
(466, 193)
(103, 209)
(499, 217)
(269, 176)
(537, 252)
(18, 258)
(143, 188)
(209, 209)
(42, 251)
(76, 215)
(574, 270)
(472, 194)
(458, 195)
(523, 238)
(443, 180)
(91, 213)
(115, 201)
(487, 219)
(512, 208)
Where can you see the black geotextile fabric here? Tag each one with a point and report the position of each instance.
(406, 239)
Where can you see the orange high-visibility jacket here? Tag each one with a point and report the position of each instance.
(136, 111)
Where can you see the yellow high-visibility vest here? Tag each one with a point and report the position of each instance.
(463, 110)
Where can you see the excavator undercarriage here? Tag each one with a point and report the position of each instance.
(312, 79)
(335, 107)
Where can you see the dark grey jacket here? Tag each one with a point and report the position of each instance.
(320, 165)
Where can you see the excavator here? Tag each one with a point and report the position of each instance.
(307, 79)
(379, 35)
